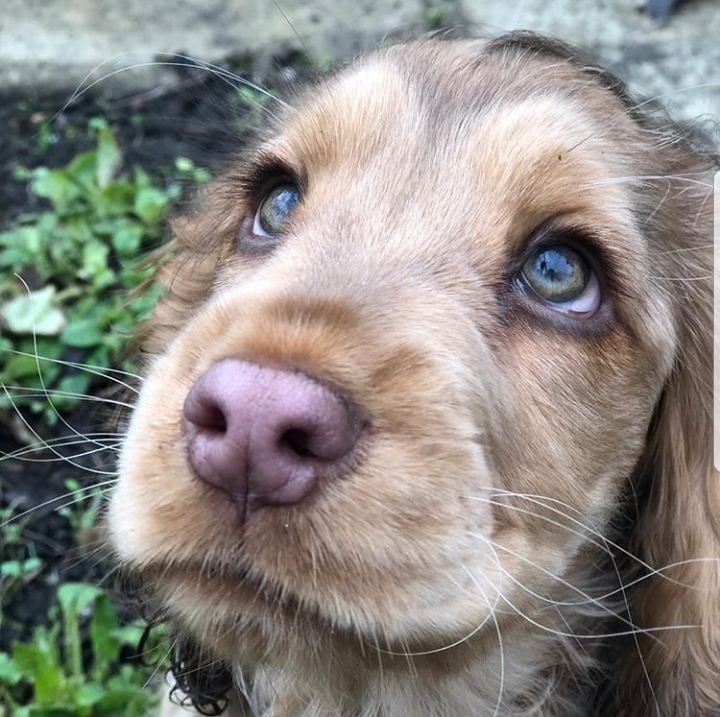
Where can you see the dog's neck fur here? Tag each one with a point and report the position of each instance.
(516, 683)
(545, 674)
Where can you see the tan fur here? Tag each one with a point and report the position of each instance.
(464, 566)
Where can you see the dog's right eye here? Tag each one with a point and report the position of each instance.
(275, 211)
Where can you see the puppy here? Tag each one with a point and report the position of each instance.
(426, 428)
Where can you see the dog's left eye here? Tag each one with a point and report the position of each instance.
(275, 211)
(563, 279)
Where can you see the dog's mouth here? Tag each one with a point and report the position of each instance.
(240, 589)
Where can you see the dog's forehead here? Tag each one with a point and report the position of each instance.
(531, 137)
(446, 97)
(348, 116)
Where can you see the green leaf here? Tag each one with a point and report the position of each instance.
(115, 200)
(74, 598)
(106, 646)
(184, 165)
(18, 367)
(56, 185)
(94, 259)
(20, 247)
(18, 569)
(127, 700)
(39, 662)
(127, 238)
(108, 157)
(89, 694)
(10, 674)
(82, 334)
(82, 171)
(75, 384)
(150, 204)
(34, 313)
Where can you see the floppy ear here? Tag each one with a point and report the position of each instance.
(676, 666)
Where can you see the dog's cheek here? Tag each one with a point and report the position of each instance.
(575, 424)
(158, 511)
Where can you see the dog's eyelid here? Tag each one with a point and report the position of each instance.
(586, 241)
(265, 171)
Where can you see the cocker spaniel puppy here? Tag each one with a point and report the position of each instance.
(426, 428)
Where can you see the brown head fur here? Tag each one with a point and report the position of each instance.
(531, 526)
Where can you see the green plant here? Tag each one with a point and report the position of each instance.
(18, 562)
(83, 511)
(76, 264)
(435, 16)
(53, 676)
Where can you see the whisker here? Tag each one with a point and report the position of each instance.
(184, 61)
(104, 485)
(99, 448)
(99, 371)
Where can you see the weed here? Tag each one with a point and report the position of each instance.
(19, 564)
(77, 263)
(435, 15)
(53, 676)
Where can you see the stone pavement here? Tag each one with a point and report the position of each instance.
(56, 43)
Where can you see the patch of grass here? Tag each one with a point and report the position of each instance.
(64, 320)
(54, 676)
(77, 263)
(19, 564)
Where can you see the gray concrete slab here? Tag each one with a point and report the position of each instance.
(58, 43)
(679, 60)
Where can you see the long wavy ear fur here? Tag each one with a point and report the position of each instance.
(672, 667)
(675, 665)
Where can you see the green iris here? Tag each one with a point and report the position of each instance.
(276, 209)
(557, 274)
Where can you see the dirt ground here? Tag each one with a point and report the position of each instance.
(200, 117)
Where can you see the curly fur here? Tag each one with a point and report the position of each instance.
(533, 526)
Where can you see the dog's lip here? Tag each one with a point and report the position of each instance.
(242, 577)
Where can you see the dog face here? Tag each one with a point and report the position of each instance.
(453, 262)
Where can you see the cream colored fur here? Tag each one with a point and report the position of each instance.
(532, 526)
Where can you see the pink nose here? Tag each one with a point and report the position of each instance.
(263, 435)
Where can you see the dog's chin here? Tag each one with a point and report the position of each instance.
(248, 617)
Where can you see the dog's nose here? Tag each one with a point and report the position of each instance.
(264, 435)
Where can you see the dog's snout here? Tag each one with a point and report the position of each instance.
(265, 436)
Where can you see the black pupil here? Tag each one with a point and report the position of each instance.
(277, 208)
(555, 267)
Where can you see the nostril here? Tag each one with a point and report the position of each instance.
(206, 413)
(298, 441)
(215, 420)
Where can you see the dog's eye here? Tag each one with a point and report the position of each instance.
(563, 279)
(275, 211)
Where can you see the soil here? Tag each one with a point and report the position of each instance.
(199, 116)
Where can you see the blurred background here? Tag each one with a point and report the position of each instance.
(111, 114)
(659, 46)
